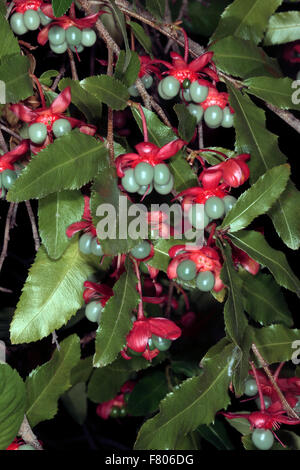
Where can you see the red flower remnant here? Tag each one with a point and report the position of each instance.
(9, 158)
(104, 409)
(86, 223)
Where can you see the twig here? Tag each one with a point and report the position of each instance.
(10, 132)
(35, 232)
(180, 16)
(264, 364)
(286, 116)
(58, 78)
(2, 142)
(28, 436)
(200, 136)
(2, 352)
(13, 223)
(88, 338)
(55, 340)
(8, 11)
(6, 233)
(7, 291)
(73, 65)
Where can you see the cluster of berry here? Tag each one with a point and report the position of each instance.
(117, 406)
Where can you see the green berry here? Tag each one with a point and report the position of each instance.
(26, 447)
(227, 120)
(229, 202)
(170, 86)
(44, 19)
(96, 248)
(143, 173)
(162, 174)
(263, 439)
(147, 81)
(131, 352)
(17, 24)
(85, 243)
(77, 49)
(186, 83)
(145, 188)
(133, 91)
(198, 92)
(93, 311)
(73, 36)
(187, 270)
(115, 412)
(162, 344)
(267, 401)
(32, 20)
(213, 116)
(164, 188)
(56, 35)
(129, 183)
(205, 281)
(61, 127)
(198, 217)
(122, 412)
(8, 178)
(88, 38)
(37, 132)
(161, 92)
(214, 207)
(196, 110)
(151, 344)
(250, 388)
(61, 49)
(142, 250)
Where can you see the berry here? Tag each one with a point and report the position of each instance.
(93, 311)
(73, 36)
(26, 447)
(56, 35)
(267, 401)
(143, 173)
(250, 388)
(186, 83)
(213, 117)
(37, 132)
(131, 352)
(122, 412)
(115, 412)
(229, 202)
(205, 281)
(196, 110)
(142, 250)
(129, 183)
(162, 344)
(198, 92)
(164, 188)
(186, 270)
(17, 24)
(145, 188)
(162, 93)
(170, 86)
(60, 49)
(85, 243)
(227, 121)
(151, 344)
(162, 174)
(61, 127)
(198, 217)
(96, 248)
(214, 207)
(8, 178)
(77, 49)
(32, 20)
(147, 81)
(44, 19)
(263, 439)
(88, 38)
(133, 91)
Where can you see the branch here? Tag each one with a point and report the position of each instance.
(35, 232)
(110, 116)
(28, 436)
(286, 116)
(6, 233)
(73, 66)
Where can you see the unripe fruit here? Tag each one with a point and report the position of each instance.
(44, 19)
(61, 127)
(213, 117)
(133, 91)
(162, 174)
(56, 36)
(214, 207)
(263, 439)
(205, 281)
(143, 173)
(96, 248)
(196, 111)
(93, 311)
(198, 217)
(61, 49)
(26, 447)
(165, 189)
(37, 132)
(85, 243)
(73, 36)
(77, 49)
(151, 344)
(227, 120)
(162, 344)
(32, 20)
(250, 388)
(129, 183)
(229, 202)
(142, 250)
(115, 412)
(122, 412)
(198, 92)
(147, 81)
(267, 402)
(131, 352)
(170, 86)
(8, 178)
(17, 24)
(145, 189)
(88, 38)
(186, 270)
(161, 92)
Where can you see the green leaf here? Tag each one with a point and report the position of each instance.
(264, 300)
(14, 72)
(160, 135)
(214, 158)
(187, 122)
(82, 371)
(68, 163)
(46, 77)
(195, 402)
(146, 395)
(242, 425)
(128, 75)
(8, 41)
(141, 36)
(48, 382)
(115, 322)
(282, 28)
(106, 382)
(258, 199)
(12, 404)
(108, 90)
(121, 24)
(60, 7)
(255, 245)
(87, 103)
(246, 19)
(204, 17)
(56, 212)
(75, 402)
(243, 58)
(51, 295)
(216, 434)
(156, 8)
(161, 257)
(277, 91)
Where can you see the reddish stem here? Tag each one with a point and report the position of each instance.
(185, 297)
(212, 232)
(72, 11)
(186, 45)
(41, 93)
(278, 370)
(145, 130)
(261, 397)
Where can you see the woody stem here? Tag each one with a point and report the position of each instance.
(145, 130)
(40, 89)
